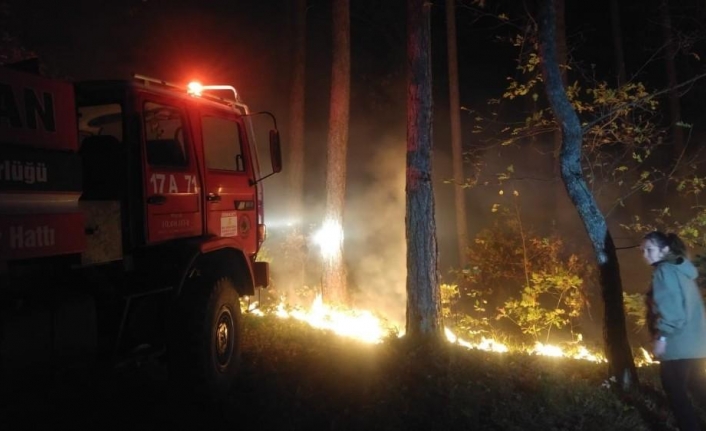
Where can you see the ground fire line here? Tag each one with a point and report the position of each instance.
(365, 326)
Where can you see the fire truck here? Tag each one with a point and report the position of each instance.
(131, 215)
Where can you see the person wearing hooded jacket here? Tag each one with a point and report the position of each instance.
(677, 323)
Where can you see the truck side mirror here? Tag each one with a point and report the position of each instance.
(275, 151)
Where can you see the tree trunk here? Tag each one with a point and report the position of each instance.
(296, 115)
(456, 148)
(562, 59)
(618, 54)
(671, 69)
(617, 347)
(423, 295)
(561, 205)
(295, 258)
(334, 274)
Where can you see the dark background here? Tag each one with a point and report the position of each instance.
(247, 44)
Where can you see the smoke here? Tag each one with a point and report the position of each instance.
(375, 233)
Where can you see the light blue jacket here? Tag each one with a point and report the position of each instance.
(678, 309)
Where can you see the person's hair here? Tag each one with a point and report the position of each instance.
(671, 240)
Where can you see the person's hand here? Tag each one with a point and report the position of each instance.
(659, 347)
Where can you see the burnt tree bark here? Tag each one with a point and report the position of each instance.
(423, 294)
(334, 273)
(617, 347)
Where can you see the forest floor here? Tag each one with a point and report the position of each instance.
(297, 378)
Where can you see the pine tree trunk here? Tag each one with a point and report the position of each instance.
(617, 42)
(456, 148)
(296, 114)
(618, 350)
(423, 295)
(334, 274)
(295, 258)
(671, 69)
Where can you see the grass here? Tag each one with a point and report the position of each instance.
(298, 378)
(322, 381)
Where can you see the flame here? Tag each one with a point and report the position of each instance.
(581, 352)
(485, 343)
(359, 324)
(364, 326)
(646, 358)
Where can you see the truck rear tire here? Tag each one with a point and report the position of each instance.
(205, 338)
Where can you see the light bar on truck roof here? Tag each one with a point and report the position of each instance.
(195, 88)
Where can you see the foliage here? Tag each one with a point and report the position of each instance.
(520, 276)
(621, 131)
(635, 308)
(551, 300)
(624, 145)
(476, 322)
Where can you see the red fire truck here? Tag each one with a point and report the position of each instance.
(131, 215)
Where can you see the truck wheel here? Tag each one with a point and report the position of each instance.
(205, 339)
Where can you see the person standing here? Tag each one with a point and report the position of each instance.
(676, 320)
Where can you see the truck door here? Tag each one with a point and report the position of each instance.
(170, 171)
(230, 199)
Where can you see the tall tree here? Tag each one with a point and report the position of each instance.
(562, 60)
(561, 204)
(423, 294)
(296, 112)
(334, 273)
(617, 33)
(456, 149)
(615, 334)
(671, 69)
(294, 262)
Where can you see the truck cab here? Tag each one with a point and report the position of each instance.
(138, 203)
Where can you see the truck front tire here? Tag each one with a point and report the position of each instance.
(205, 340)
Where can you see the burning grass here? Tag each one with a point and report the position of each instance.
(366, 326)
(313, 379)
